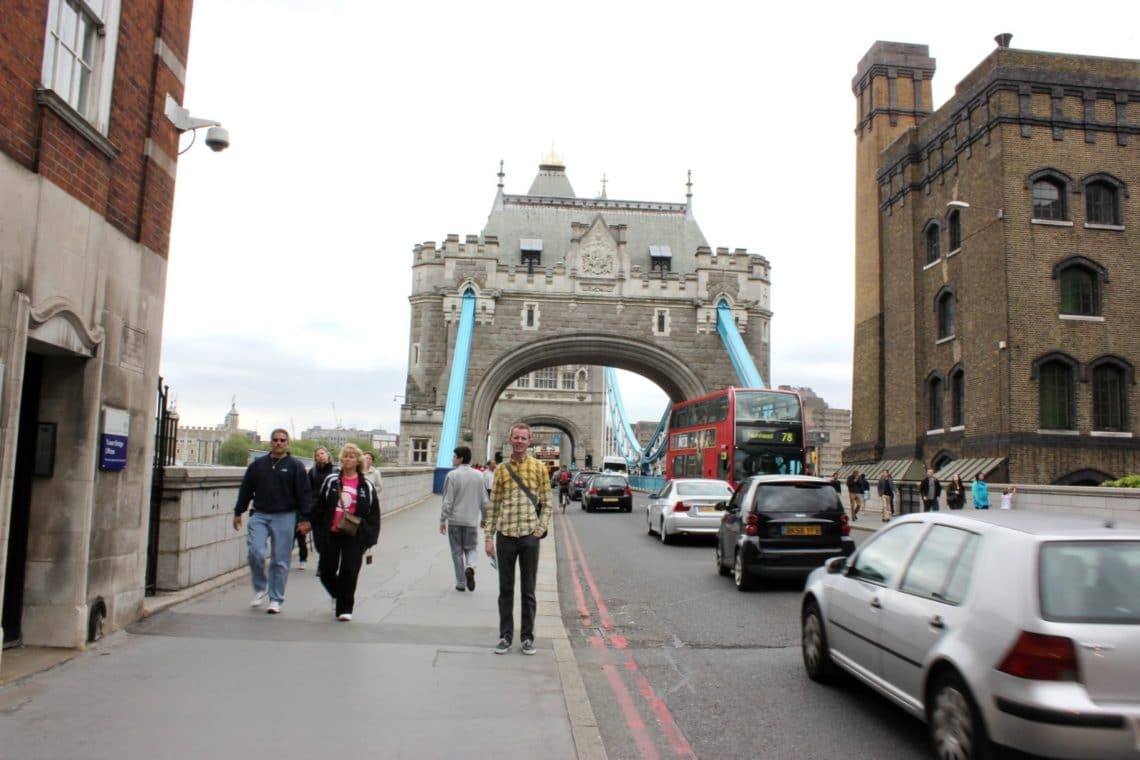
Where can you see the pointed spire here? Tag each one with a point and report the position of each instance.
(603, 196)
(501, 174)
(689, 194)
(552, 161)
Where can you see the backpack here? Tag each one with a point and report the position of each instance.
(564, 477)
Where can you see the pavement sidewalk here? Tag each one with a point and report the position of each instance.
(412, 676)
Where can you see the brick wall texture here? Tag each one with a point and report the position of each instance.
(1016, 114)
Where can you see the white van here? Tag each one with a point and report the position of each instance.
(615, 464)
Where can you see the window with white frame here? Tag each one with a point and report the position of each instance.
(523, 381)
(568, 381)
(79, 55)
(530, 316)
(547, 377)
(420, 450)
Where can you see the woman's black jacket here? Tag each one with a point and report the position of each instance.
(367, 508)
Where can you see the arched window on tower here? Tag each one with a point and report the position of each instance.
(1056, 376)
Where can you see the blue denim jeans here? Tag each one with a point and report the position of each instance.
(272, 531)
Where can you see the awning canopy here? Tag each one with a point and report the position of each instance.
(660, 252)
(531, 244)
(914, 469)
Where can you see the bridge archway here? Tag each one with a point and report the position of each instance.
(556, 280)
(655, 363)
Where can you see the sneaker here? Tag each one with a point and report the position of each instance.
(344, 617)
(274, 608)
(302, 564)
(528, 647)
(258, 598)
(470, 579)
(460, 587)
(503, 647)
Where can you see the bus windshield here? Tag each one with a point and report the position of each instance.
(758, 406)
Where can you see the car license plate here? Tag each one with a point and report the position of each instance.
(802, 530)
(702, 510)
(610, 498)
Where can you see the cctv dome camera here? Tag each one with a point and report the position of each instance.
(218, 138)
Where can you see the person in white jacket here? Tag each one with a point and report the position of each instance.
(464, 505)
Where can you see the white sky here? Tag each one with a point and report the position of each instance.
(361, 128)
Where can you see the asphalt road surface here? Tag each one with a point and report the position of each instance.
(679, 664)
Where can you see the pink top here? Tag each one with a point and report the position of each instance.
(348, 487)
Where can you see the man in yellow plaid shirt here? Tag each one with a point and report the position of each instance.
(515, 522)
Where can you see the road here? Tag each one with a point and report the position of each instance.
(678, 663)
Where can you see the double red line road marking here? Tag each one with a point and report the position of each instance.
(613, 652)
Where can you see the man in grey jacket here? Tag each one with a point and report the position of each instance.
(464, 505)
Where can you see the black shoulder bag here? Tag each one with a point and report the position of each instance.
(529, 495)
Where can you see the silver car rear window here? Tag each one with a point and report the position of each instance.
(1090, 581)
(704, 489)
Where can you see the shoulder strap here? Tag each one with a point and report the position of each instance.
(525, 490)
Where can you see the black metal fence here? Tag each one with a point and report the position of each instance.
(165, 441)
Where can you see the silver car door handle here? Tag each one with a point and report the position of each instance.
(936, 622)
(875, 603)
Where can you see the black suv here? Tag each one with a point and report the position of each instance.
(780, 526)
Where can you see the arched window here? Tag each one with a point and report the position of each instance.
(1103, 194)
(1056, 376)
(954, 222)
(1081, 285)
(1111, 377)
(934, 401)
(941, 459)
(945, 307)
(957, 397)
(933, 238)
(1050, 190)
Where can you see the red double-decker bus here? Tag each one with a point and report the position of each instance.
(737, 432)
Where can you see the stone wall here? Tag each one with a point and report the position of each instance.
(196, 538)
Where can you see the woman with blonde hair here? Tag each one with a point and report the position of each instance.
(347, 520)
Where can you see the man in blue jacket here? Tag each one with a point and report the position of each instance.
(279, 488)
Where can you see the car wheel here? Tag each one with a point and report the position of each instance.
(956, 728)
(664, 534)
(741, 577)
(722, 569)
(813, 642)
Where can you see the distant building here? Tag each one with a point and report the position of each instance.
(835, 424)
(200, 445)
(384, 443)
(996, 239)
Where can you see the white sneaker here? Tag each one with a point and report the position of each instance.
(274, 608)
(258, 598)
(302, 564)
(345, 616)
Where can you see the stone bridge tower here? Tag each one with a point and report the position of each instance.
(562, 280)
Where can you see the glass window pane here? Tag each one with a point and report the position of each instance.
(879, 560)
(935, 390)
(1055, 382)
(1047, 202)
(1080, 292)
(933, 250)
(955, 230)
(1101, 204)
(936, 562)
(1108, 399)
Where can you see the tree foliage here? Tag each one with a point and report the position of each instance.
(1128, 481)
(235, 451)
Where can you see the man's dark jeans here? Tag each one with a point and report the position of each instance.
(525, 550)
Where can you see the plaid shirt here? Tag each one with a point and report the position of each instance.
(510, 512)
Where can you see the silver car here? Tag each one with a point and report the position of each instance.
(1017, 629)
(687, 505)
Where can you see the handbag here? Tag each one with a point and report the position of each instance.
(349, 524)
(529, 495)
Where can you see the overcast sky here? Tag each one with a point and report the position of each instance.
(360, 129)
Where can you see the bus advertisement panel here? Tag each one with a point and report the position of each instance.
(737, 432)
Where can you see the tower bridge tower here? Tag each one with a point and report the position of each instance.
(559, 281)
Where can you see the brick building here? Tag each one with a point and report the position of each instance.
(87, 173)
(996, 265)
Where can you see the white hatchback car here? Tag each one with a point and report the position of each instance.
(687, 505)
(1018, 629)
